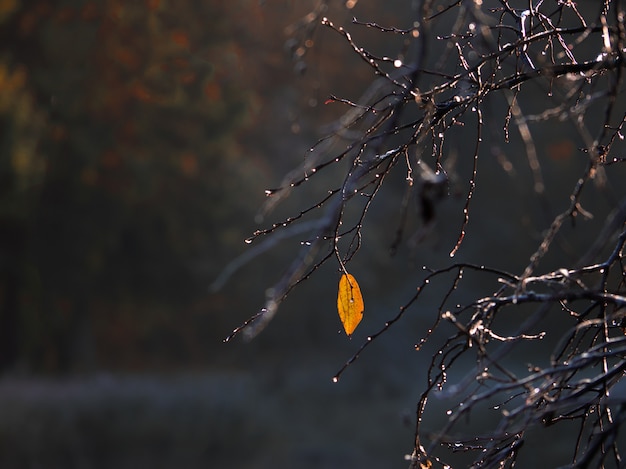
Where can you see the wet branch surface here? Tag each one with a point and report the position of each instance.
(491, 52)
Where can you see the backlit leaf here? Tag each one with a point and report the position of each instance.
(349, 303)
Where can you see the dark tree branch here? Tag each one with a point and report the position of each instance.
(491, 55)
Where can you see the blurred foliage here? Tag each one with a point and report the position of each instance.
(120, 169)
(137, 139)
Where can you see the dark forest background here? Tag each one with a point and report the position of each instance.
(137, 140)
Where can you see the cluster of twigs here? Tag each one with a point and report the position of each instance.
(457, 58)
(578, 384)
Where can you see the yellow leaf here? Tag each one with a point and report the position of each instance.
(349, 303)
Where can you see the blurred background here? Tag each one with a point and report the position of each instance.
(136, 141)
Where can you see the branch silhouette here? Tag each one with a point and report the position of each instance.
(491, 53)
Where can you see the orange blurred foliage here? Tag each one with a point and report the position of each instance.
(58, 132)
(153, 4)
(111, 159)
(180, 38)
(89, 12)
(65, 14)
(187, 78)
(28, 22)
(89, 176)
(140, 92)
(189, 163)
(561, 151)
(213, 91)
(126, 56)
